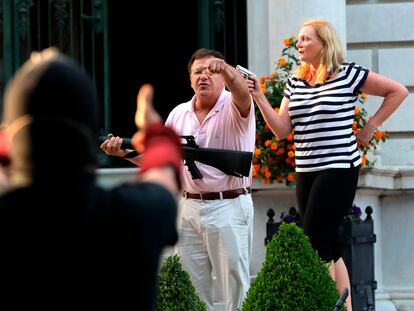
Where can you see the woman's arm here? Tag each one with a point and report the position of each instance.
(280, 123)
(394, 94)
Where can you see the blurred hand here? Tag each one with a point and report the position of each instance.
(146, 114)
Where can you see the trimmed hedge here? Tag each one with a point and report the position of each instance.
(176, 292)
(292, 277)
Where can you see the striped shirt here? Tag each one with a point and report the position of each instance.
(322, 117)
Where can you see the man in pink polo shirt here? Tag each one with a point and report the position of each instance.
(216, 212)
(215, 219)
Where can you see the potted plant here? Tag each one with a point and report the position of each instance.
(292, 277)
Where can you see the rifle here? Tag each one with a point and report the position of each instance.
(230, 162)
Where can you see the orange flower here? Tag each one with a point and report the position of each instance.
(286, 42)
(282, 61)
(354, 125)
(267, 143)
(273, 146)
(263, 87)
(290, 177)
(379, 135)
(257, 152)
(356, 109)
(291, 154)
(289, 137)
(364, 159)
(363, 96)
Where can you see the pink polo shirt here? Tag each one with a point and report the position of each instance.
(223, 128)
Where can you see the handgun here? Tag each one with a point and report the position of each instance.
(245, 72)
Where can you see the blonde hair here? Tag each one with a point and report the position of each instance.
(332, 55)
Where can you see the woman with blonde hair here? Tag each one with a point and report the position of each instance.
(318, 105)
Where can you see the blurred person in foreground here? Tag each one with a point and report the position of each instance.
(65, 241)
(318, 104)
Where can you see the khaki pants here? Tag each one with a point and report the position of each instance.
(215, 238)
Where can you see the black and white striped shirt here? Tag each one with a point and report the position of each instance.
(322, 117)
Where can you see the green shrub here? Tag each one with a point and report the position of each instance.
(176, 292)
(292, 277)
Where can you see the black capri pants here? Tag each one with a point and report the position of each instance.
(324, 197)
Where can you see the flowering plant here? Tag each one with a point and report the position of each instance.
(292, 216)
(274, 159)
(356, 213)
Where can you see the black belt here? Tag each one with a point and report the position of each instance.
(229, 194)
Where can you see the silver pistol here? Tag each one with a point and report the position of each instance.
(245, 72)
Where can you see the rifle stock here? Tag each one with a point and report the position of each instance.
(230, 162)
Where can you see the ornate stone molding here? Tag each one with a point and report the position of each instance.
(393, 179)
(218, 15)
(1, 14)
(61, 13)
(23, 15)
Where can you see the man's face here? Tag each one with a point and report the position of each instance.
(203, 82)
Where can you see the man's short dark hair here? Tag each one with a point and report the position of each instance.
(203, 53)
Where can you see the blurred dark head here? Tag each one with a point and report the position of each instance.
(50, 117)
